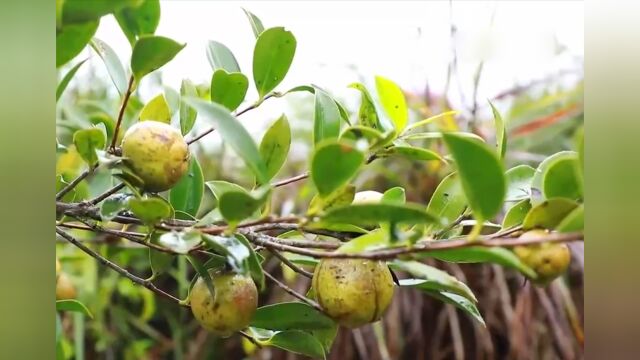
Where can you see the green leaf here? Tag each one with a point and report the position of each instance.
(80, 11)
(151, 53)
(140, 20)
(220, 187)
(412, 153)
(356, 132)
(448, 201)
(180, 241)
(326, 123)
(479, 254)
(501, 132)
(298, 342)
(228, 89)
(112, 205)
(234, 134)
(372, 214)
(253, 263)
(236, 206)
(367, 114)
(395, 195)
(579, 140)
(274, 146)
(290, 316)
(187, 113)
(150, 210)
(272, 57)
(572, 222)
(71, 39)
(256, 24)
(481, 175)
(74, 306)
(333, 164)
(204, 272)
(156, 110)
(537, 183)
(561, 179)
(186, 195)
(87, 141)
(430, 278)
(112, 63)
(67, 78)
(232, 248)
(460, 302)
(438, 135)
(516, 214)
(375, 240)
(393, 102)
(549, 213)
(340, 197)
(160, 261)
(430, 120)
(519, 182)
(220, 57)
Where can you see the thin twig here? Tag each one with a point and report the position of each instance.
(116, 130)
(106, 194)
(106, 262)
(290, 180)
(342, 236)
(250, 338)
(291, 265)
(294, 293)
(74, 183)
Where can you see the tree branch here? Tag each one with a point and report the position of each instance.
(294, 293)
(125, 100)
(291, 265)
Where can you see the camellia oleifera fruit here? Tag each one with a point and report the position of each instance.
(231, 309)
(65, 289)
(157, 154)
(353, 292)
(548, 260)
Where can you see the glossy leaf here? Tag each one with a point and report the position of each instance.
(67, 78)
(431, 278)
(537, 183)
(80, 11)
(218, 188)
(298, 342)
(112, 63)
(228, 89)
(180, 241)
(187, 113)
(479, 254)
(519, 182)
(356, 132)
(375, 240)
(187, 194)
(74, 306)
(561, 179)
(333, 164)
(460, 302)
(220, 57)
(111, 206)
(574, 221)
(448, 201)
(393, 102)
(438, 135)
(150, 210)
(234, 134)
(549, 213)
(239, 205)
(367, 114)
(290, 316)
(516, 214)
(160, 261)
(395, 195)
(256, 24)
(433, 118)
(341, 197)
(71, 39)
(481, 175)
(501, 132)
(253, 262)
(87, 142)
(151, 53)
(203, 272)
(372, 214)
(274, 146)
(413, 153)
(156, 109)
(232, 248)
(272, 57)
(140, 20)
(326, 123)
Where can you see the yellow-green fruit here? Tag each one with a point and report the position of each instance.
(236, 299)
(157, 153)
(353, 292)
(548, 260)
(58, 268)
(64, 288)
(367, 197)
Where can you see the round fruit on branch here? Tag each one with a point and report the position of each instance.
(65, 290)
(157, 153)
(548, 260)
(353, 292)
(231, 309)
